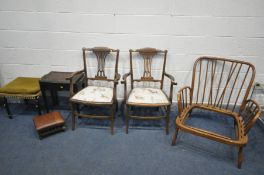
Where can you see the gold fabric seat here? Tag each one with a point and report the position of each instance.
(21, 88)
(22, 85)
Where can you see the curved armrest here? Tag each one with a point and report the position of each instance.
(74, 74)
(184, 98)
(172, 84)
(117, 78)
(71, 77)
(250, 112)
(125, 77)
(125, 84)
(171, 78)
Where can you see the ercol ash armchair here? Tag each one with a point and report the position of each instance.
(100, 90)
(222, 86)
(145, 96)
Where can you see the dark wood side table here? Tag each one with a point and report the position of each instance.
(56, 81)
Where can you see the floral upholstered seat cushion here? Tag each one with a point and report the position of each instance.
(22, 85)
(148, 96)
(94, 94)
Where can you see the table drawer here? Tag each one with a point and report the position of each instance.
(62, 87)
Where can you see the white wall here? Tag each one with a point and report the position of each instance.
(37, 36)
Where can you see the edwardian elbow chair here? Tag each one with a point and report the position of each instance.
(144, 95)
(99, 90)
(220, 85)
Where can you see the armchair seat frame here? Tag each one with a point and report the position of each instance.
(101, 54)
(220, 85)
(147, 55)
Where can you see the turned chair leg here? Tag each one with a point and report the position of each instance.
(7, 108)
(73, 117)
(112, 118)
(116, 106)
(240, 157)
(167, 119)
(127, 117)
(174, 137)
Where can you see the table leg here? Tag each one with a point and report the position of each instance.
(43, 91)
(54, 96)
(38, 106)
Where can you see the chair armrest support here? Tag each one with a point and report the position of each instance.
(250, 112)
(125, 77)
(184, 98)
(117, 78)
(71, 78)
(125, 84)
(173, 83)
(171, 78)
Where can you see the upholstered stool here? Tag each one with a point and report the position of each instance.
(49, 123)
(26, 88)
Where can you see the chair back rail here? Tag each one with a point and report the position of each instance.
(147, 54)
(101, 54)
(220, 82)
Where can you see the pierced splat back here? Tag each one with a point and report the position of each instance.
(148, 55)
(101, 54)
(222, 83)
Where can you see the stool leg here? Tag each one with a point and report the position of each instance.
(7, 108)
(26, 101)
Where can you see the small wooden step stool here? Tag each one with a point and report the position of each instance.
(49, 123)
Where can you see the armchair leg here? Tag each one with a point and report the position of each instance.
(167, 119)
(127, 117)
(7, 108)
(113, 108)
(116, 106)
(73, 116)
(174, 137)
(240, 157)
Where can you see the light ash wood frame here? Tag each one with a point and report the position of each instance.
(147, 54)
(247, 114)
(101, 54)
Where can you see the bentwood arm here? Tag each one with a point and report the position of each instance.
(250, 112)
(184, 98)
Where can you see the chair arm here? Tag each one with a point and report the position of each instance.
(117, 78)
(184, 98)
(71, 77)
(125, 84)
(171, 78)
(125, 77)
(250, 112)
(171, 86)
(74, 74)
